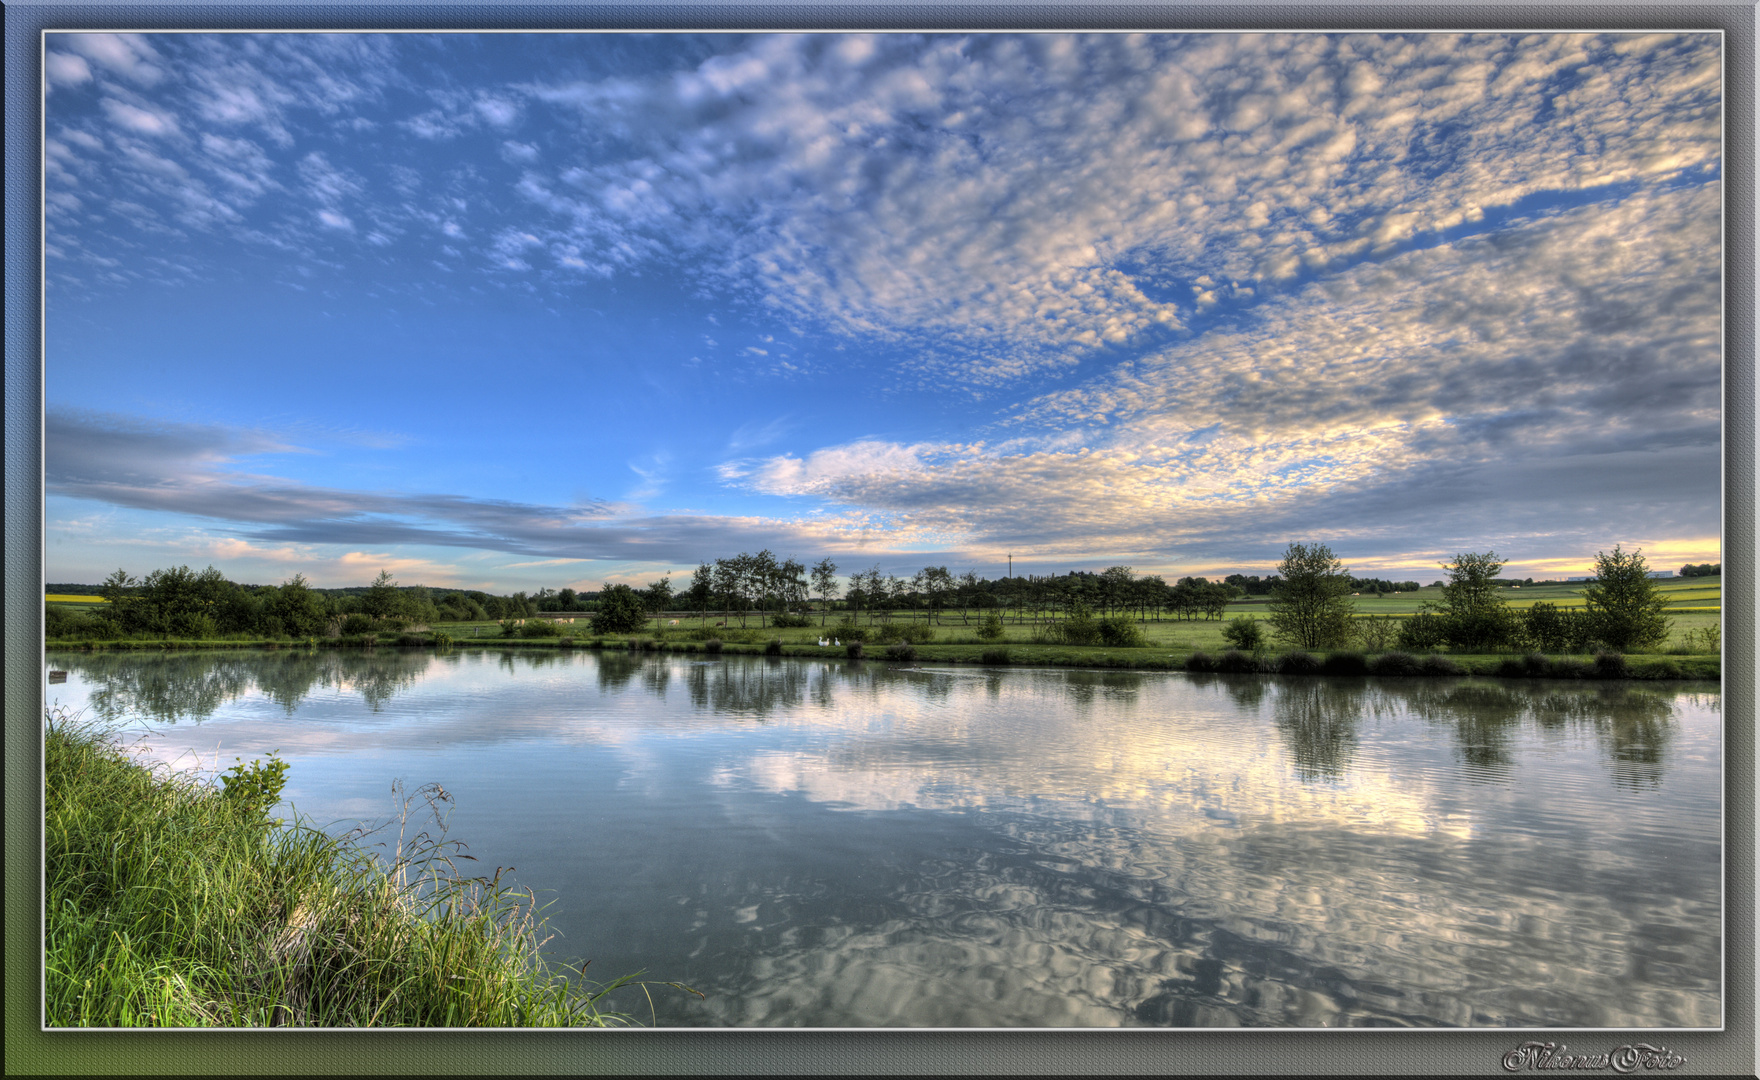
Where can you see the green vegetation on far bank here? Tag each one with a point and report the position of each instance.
(173, 901)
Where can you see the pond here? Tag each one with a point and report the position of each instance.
(847, 844)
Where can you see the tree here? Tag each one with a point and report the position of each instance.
(658, 594)
(621, 611)
(825, 583)
(1625, 604)
(702, 589)
(1474, 614)
(1311, 604)
(935, 583)
(381, 601)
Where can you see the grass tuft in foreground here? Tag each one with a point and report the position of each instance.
(170, 903)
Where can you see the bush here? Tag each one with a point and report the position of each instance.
(621, 611)
(1201, 661)
(1244, 633)
(1609, 664)
(1438, 665)
(1121, 632)
(1346, 663)
(991, 630)
(1294, 663)
(1569, 667)
(713, 645)
(1080, 628)
(774, 648)
(901, 651)
(537, 628)
(1376, 632)
(994, 656)
(785, 621)
(360, 624)
(1395, 663)
(853, 650)
(847, 632)
(257, 787)
(1422, 632)
(1237, 662)
(411, 639)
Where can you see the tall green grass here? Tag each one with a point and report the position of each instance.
(170, 904)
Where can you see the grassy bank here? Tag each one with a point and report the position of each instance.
(174, 901)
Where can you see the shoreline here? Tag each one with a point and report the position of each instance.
(1644, 667)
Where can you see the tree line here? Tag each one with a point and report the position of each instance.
(1311, 608)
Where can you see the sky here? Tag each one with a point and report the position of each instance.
(510, 311)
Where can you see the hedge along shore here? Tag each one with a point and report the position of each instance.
(1642, 666)
(173, 901)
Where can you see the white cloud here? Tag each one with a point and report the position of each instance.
(128, 55)
(65, 69)
(134, 118)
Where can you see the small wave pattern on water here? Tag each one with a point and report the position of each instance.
(846, 844)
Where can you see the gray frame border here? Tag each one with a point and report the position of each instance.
(30, 1050)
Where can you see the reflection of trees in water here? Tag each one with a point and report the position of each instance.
(755, 688)
(616, 669)
(1085, 687)
(1318, 721)
(1634, 724)
(192, 686)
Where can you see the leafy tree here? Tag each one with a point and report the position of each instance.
(569, 600)
(1475, 616)
(936, 584)
(297, 609)
(825, 583)
(1244, 633)
(702, 589)
(1625, 603)
(621, 611)
(382, 600)
(658, 594)
(1311, 605)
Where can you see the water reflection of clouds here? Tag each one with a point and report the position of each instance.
(1167, 849)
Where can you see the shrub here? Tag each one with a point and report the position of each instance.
(1293, 663)
(1346, 663)
(1122, 632)
(537, 628)
(901, 651)
(1569, 667)
(853, 650)
(1438, 665)
(1394, 663)
(1422, 632)
(361, 624)
(1376, 632)
(1244, 633)
(774, 648)
(848, 631)
(785, 621)
(994, 656)
(1238, 662)
(991, 630)
(1538, 667)
(1609, 664)
(713, 645)
(256, 787)
(1080, 628)
(1511, 668)
(621, 611)
(1201, 661)
(411, 639)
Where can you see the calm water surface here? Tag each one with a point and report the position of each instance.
(818, 843)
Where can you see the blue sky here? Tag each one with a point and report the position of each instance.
(507, 311)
